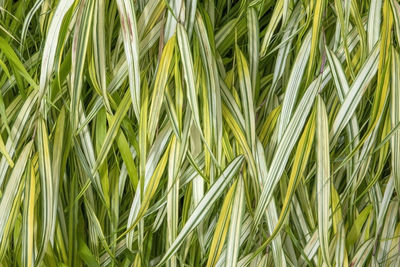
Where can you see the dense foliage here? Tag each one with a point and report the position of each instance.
(199, 133)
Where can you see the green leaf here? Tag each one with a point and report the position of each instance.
(323, 178)
(131, 45)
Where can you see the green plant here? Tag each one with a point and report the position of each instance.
(199, 133)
